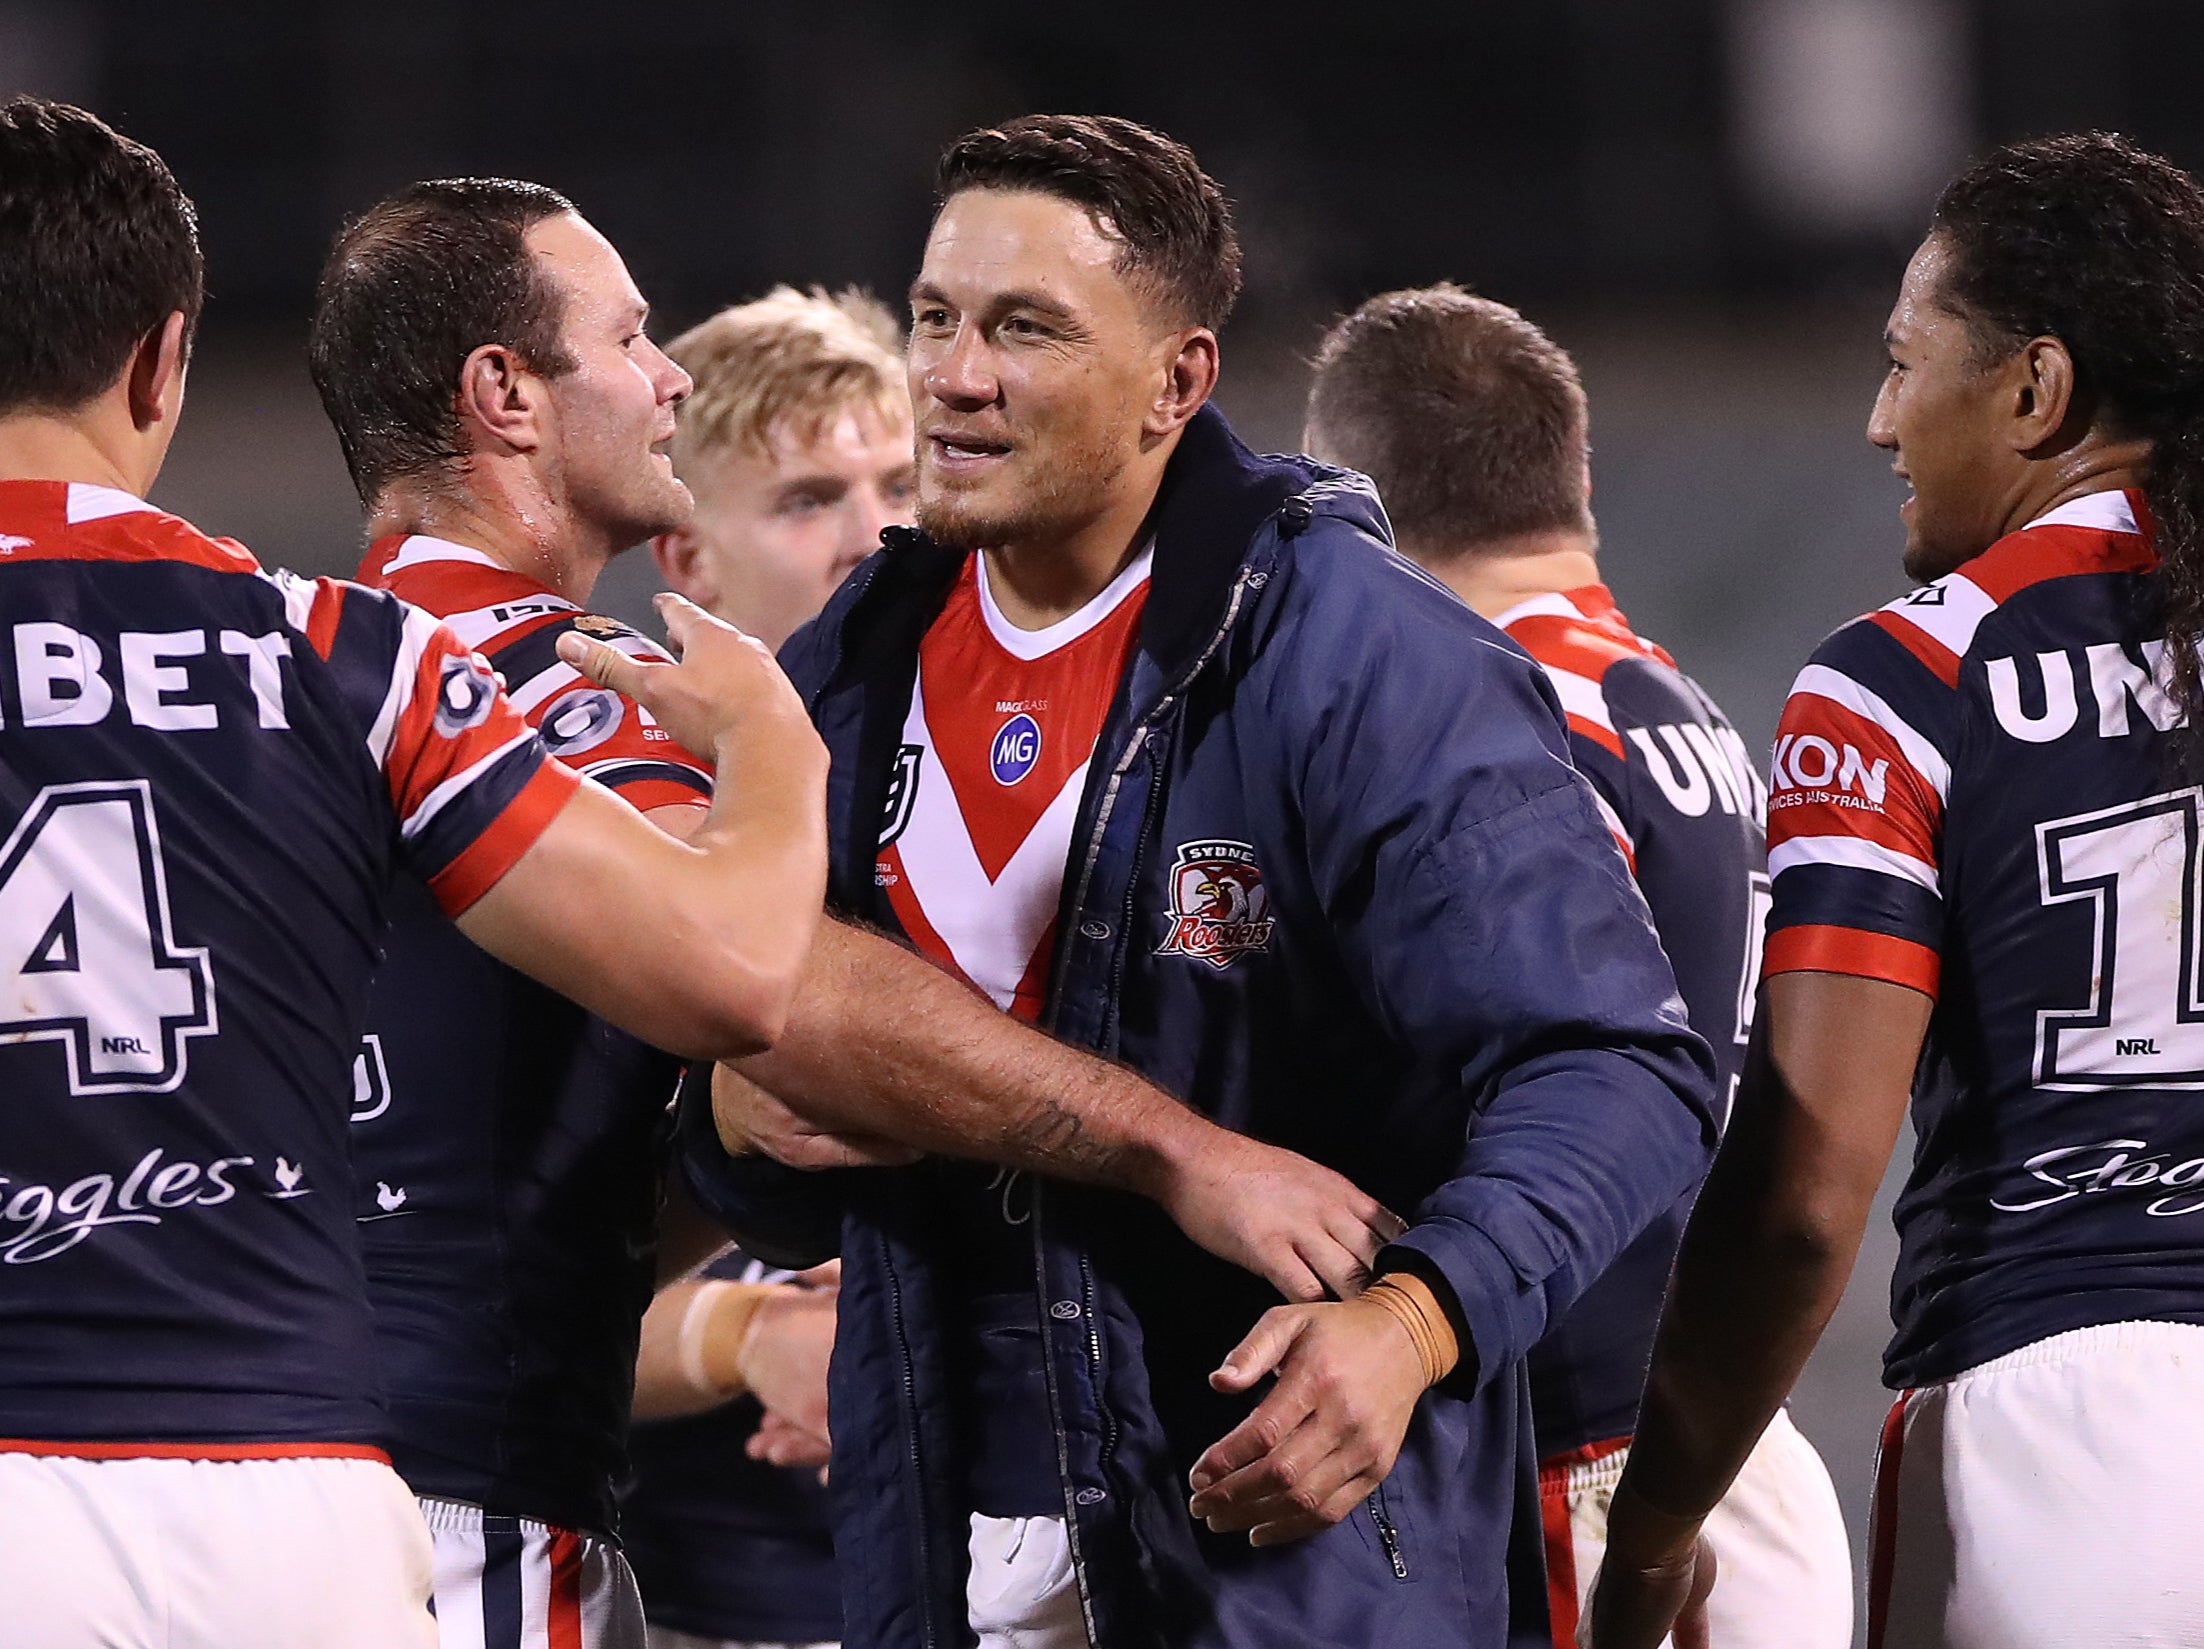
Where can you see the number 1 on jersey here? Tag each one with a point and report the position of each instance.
(87, 957)
(2138, 866)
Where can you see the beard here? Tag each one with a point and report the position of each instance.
(1066, 490)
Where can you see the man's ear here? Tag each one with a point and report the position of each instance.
(500, 402)
(1190, 375)
(684, 567)
(154, 379)
(2043, 395)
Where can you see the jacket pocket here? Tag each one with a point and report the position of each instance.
(1388, 1533)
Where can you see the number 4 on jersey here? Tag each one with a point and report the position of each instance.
(87, 957)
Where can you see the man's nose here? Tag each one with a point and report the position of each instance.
(962, 376)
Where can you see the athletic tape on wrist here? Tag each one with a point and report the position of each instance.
(696, 1327)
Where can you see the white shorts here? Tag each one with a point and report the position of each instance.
(2051, 1497)
(1783, 1574)
(1022, 1593)
(508, 1583)
(147, 1553)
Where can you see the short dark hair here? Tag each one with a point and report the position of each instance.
(1470, 420)
(413, 286)
(1146, 190)
(98, 247)
(2090, 240)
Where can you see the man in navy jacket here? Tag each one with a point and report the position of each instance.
(1330, 878)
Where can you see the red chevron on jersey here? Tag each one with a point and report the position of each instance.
(1577, 636)
(75, 521)
(995, 748)
(516, 622)
(2096, 533)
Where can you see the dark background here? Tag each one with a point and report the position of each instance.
(1708, 201)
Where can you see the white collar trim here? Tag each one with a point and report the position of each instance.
(2105, 511)
(1028, 645)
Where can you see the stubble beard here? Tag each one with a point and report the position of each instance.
(1071, 489)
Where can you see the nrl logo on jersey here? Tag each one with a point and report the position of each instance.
(1220, 909)
(902, 792)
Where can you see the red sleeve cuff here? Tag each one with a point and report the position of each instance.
(1855, 951)
(645, 794)
(513, 832)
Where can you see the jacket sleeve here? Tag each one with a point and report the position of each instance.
(781, 1215)
(1487, 916)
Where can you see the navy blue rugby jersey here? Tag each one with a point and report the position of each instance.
(1688, 810)
(1976, 794)
(726, 1547)
(209, 776)
(508, 1145)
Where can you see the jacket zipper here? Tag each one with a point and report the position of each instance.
(1139, 741)
(1388, 1536)
(918, 1470)
(1133, 748)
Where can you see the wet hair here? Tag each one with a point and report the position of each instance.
(2091, 240)
(1147, 191)
(413, 286)
(1470, 420)
(98, 247)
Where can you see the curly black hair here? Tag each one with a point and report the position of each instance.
(2088, 239)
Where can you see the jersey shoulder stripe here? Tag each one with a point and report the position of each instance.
(516, 623)
(1576, 638)
(2097, 533)
(75, 521)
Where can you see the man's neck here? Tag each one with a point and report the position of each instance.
(1495, 574)
(1038, 583)
(2096, 465)
(41, 447)
(529, 536)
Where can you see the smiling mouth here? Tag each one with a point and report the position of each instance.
(967, 447)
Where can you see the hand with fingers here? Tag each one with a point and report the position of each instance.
(785, 1355)
(1307, 1230)
(1323, 1438)
(1653, 1583)
(750, 1119)
(780, 1441)
(726, 689)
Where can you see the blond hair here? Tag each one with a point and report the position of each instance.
(788, 363)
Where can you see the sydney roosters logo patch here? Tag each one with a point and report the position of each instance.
(1220, 910)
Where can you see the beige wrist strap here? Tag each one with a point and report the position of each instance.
(1409, 1300)
(714, 1326)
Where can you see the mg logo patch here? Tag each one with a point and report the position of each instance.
(1016, 748)
(1220, 909)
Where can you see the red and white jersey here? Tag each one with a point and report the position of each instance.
(1678, 790)
(1979, 793)
(515, 623)
(208, 778)
(993, 763)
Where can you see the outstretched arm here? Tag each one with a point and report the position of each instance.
(885, 1050)
(696, 947)
(1764, 1262)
